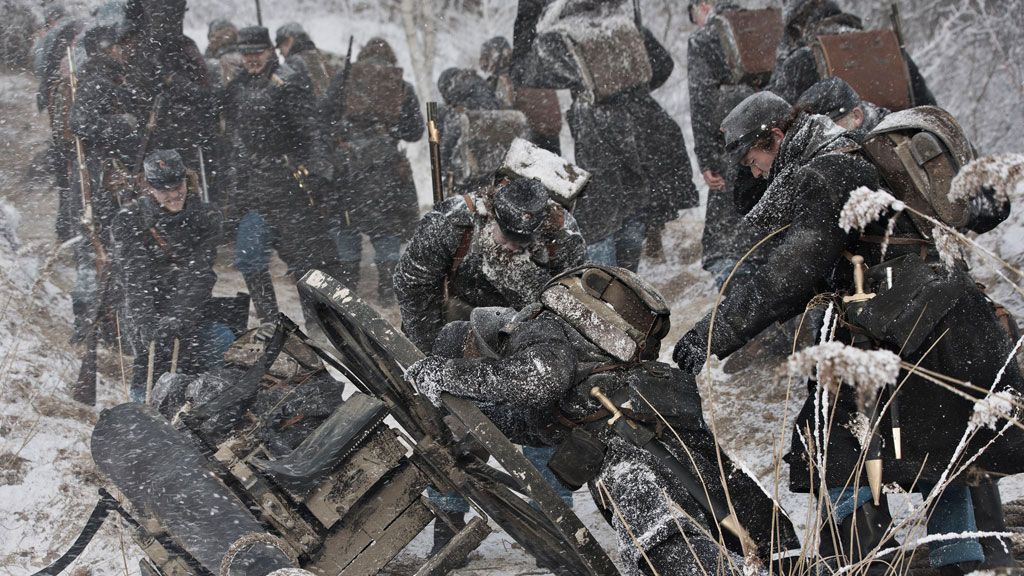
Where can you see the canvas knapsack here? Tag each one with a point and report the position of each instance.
(749, 40)
(605, 43)
(918, 152)
(484, 139)
(871, 62)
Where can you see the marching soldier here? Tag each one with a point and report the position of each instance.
(279, 159)
(368, 113)
(834, 98)
(301, 53)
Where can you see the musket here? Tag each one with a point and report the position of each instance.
(84, 390)
(434, 137)
(259, 13)
(897, 22)
(636, 14)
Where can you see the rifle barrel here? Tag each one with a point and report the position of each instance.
(434, 137)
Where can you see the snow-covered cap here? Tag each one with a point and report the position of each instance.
(831, 97)
(563, 179)
(164, 168)
(289, 30)
(751, 119)
(520, 208)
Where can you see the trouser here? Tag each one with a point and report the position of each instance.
(953, 512)
(201, 349)
(623, 248)
(386, 251)
(300, 240)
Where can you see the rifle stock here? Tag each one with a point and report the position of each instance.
(434, 137)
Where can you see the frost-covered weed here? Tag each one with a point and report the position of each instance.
(989, 410)
(948, 246)
(834, 363)
(866, 206)
(1003, 173)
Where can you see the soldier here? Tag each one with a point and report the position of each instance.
(280, 165)
(104, 119)
(795, 68)
(540, 106)
(369, 113)
(170, 78)
(165, 243)
(223, 60)
(535, 373)
(301, 53)
(713, 93)
(633, 148)
(834, 98)
(811, 173)
(221, 38)
(497, 247)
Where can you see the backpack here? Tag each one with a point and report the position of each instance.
(749, 40)
(918, 152)
(605, 43)
(484, 139)
(374, 94)
(871, 62)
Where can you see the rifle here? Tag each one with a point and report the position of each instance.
(636, 14)
(259, 13)
(897, 22)
(434, 136)
(84, 390)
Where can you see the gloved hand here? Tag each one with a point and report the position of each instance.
(425, 376)
(690, 352)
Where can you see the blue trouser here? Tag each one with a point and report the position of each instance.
(453, 503)
(623, 248)
(253, 242)
(202, 349)
(953, 512)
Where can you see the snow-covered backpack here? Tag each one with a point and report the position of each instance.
(749, 39)
(870, 61)
(603, 40)
(918, 152)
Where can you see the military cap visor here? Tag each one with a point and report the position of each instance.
(751, 119)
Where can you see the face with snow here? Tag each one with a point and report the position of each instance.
(699, 13)
(853, 120)
(760, 160)
(503, 240)
(170, 199)
(256, 62)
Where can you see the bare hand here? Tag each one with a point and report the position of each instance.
(713, 180)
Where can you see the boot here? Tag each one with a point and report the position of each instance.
(261, 291)
(861, 532)
(386, 283)
(988, 514)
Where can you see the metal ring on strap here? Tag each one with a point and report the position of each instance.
(249, 540)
